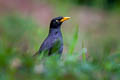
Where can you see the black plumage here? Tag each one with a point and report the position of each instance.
(54, 41)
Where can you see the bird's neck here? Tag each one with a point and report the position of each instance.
(54, 30)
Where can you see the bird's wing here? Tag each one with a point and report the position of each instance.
(47, 44)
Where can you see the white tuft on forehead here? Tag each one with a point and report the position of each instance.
(58, 18)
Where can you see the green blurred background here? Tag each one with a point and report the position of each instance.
(91, 39)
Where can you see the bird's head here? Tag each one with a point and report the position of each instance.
(56, 22)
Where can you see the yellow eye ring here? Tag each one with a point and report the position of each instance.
(57, 21)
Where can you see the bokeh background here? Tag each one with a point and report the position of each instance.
(93, 30)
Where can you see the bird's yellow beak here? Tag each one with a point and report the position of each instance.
(64, 19)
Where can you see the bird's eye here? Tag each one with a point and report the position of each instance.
(57, 21)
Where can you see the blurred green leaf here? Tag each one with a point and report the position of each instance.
(74, 41)
(84, 51)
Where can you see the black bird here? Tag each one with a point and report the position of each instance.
(54, 41)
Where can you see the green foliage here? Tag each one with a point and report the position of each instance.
(103, 4)
(74, 41)
(84, 51)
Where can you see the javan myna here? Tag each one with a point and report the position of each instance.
(53, 44)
